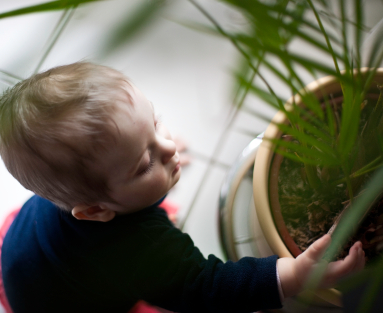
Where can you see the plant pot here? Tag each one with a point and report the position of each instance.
(265, 179)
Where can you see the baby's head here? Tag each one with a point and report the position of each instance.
(84, 137)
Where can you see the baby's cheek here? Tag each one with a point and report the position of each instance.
(160, 182)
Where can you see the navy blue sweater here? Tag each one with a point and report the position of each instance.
(52, 262)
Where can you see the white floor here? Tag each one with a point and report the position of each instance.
(186, 74)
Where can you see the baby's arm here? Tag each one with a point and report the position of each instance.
(293, 273)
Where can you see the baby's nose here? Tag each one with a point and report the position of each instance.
(168, 149)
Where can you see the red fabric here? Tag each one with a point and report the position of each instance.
(3, 230)
(143, 307)
(140, 307)
(169, 207)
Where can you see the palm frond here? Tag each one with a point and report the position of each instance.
(135, 21)
(44, 7)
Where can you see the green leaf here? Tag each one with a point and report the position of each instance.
(306, 155)
(350, 121)
(307, 63)
(301, 158)
(297, 116)
(243, 89)
(324, 33)
(309, 140)
(309, 99)
(312, 176)
(281, 75)
(308, 126)
(344, 38)
(358, 209)
(199, 27)
(295, 158)
(358, 31)
(273, 100)
(330, 119)
(49, 6)
(376, 51)
(261, 116)
(134, 22)
(312, 103)
(268, 11)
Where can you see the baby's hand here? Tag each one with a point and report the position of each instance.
(293, 273)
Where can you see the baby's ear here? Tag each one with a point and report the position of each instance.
(93, 213)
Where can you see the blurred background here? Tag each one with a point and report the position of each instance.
(186, 72)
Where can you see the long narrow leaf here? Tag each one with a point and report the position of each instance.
(330, 119)
(257, 8)
(49, 6)
(350, 121)
(273, 100)
(344, 38)
(132, 24)
(324, 32)
(374, 59)
(308, 140)
(307, 63)
(358, 31)
(307, 126)
(298, 159)
(310, 101)
(350, 221)
(296, 117)
(306, 38)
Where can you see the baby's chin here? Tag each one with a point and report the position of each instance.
(176, 178)
(159, 196)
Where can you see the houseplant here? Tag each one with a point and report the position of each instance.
(266, 186)
(329, 129)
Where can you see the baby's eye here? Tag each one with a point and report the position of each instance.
(147, 169)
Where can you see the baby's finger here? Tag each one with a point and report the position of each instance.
(361, 262)
(353, 263)
(316, 250)
(360, 259)
(343, 267)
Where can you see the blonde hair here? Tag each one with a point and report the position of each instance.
(52, 126)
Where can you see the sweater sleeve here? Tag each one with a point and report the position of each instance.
(175, 275)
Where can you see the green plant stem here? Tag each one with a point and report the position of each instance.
(358, 12)
(364, 170)
(349, 185)
(44, 7)
(380, 99)
(344, 35)
(312, 176)
(327, 39)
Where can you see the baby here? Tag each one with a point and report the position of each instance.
(88, 143)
